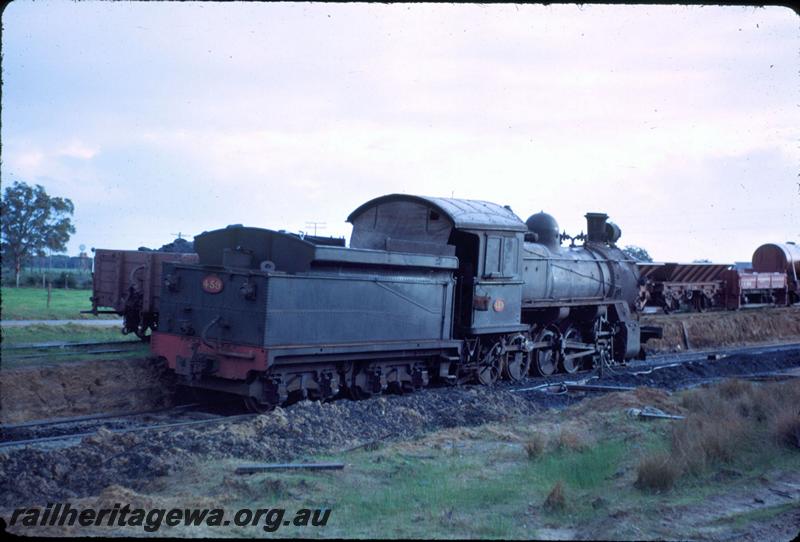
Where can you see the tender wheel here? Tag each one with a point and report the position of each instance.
(491, 365)
(253, 405)
(544, 359)
(359, 385)
(357, 394)
(518, 364)
(572, 365)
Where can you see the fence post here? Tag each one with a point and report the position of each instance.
(49, 288)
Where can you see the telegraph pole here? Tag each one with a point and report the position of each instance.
(315, 225)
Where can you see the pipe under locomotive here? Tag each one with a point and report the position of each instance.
(430, 289)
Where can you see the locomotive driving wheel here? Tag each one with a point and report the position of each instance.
(517, 366)
(518, 362)
(544, 358)
(491, 364)
(571, 365)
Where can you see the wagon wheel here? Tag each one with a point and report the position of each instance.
(544, 359)
(491, 365)
(571, 365)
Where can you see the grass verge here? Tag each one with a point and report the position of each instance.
(31, 304)
(67, 333)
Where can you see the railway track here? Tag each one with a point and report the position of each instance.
(60, 431)
(594, 382)
(63, 430)
(20, 352)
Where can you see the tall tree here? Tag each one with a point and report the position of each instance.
(637, 253)
(32, 221)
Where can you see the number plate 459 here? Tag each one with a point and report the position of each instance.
(212, 284)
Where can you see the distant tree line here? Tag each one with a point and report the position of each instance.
(59, 261)
(637, 253)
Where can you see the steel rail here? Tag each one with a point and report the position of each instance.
(663, 361)
(90, 417)
(220, 419)
(54, 345)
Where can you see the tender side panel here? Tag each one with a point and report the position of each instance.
(329, 309)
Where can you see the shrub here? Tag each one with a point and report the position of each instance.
(726, 423)
(785, 429)
(536, 446)
(733, 420)
(657, 473)
(556, 501)
(570, 440)
(65, 279)
(734, 387)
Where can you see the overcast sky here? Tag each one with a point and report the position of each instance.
(157, 118)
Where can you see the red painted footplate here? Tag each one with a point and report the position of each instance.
(235, 361)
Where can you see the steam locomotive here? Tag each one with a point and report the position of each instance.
(430, 289)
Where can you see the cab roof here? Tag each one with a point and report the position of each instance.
(463, 213)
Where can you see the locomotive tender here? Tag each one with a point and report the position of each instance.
(430, 289)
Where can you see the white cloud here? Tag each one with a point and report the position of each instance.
(77, 149)
(27, 162)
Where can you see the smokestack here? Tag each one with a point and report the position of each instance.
(596, 227)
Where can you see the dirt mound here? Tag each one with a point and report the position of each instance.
(619, 401)
(724, 328)
(30, 476)
(73, 389)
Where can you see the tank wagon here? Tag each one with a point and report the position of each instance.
(780, 258)
(429, 289)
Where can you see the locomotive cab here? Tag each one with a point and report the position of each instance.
(485, 237)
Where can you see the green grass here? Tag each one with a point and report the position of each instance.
(585, 469)
(486, 493)
(68, 333)
(64, 333)
(31, 304)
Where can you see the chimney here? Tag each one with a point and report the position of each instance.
(596, 227)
